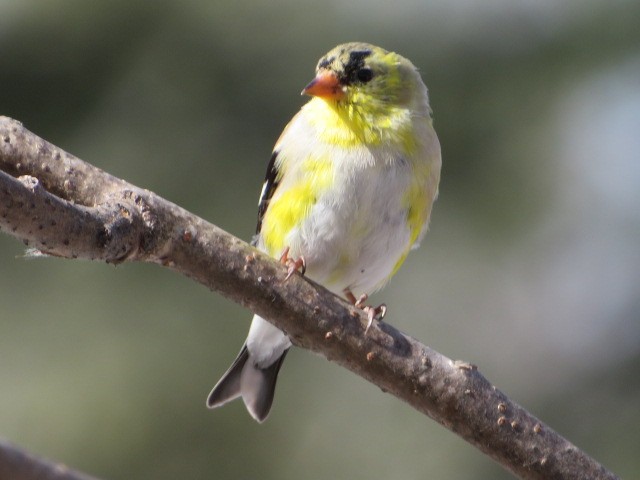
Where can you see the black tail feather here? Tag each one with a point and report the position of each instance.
(228, 387)
(255, 385)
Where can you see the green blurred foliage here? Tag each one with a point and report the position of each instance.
(530, 270)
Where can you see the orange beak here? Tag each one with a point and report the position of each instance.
(326, 85)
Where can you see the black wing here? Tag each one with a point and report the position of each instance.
(271, 182)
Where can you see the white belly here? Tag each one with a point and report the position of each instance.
(354, 240)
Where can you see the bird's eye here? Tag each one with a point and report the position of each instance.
(364, 75)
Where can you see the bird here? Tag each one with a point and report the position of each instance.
(348, 193)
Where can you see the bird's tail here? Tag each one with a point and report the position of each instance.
(255, 385)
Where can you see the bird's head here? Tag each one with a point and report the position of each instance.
(368, 79)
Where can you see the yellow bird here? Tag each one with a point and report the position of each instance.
(348, 193)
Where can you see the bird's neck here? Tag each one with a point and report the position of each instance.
(352, 125)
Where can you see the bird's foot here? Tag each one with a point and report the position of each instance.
(297, 265)
(373, 313)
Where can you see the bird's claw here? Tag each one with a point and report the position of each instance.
(295, 266)
(292, 265)
(373, 313)
(359, 303)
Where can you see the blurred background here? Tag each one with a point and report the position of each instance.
(531, 269)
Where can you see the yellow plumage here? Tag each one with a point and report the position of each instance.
(294, 205)
(350, 188)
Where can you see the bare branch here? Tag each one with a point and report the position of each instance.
(16, 464)
(65, 207)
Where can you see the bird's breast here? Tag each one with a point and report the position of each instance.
(352, 212)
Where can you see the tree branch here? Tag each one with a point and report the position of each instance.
(16, 464)
(63, 206)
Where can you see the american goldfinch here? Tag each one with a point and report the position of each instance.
(348, 193)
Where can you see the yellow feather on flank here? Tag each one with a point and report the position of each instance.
(417, 201)
(289, 209)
